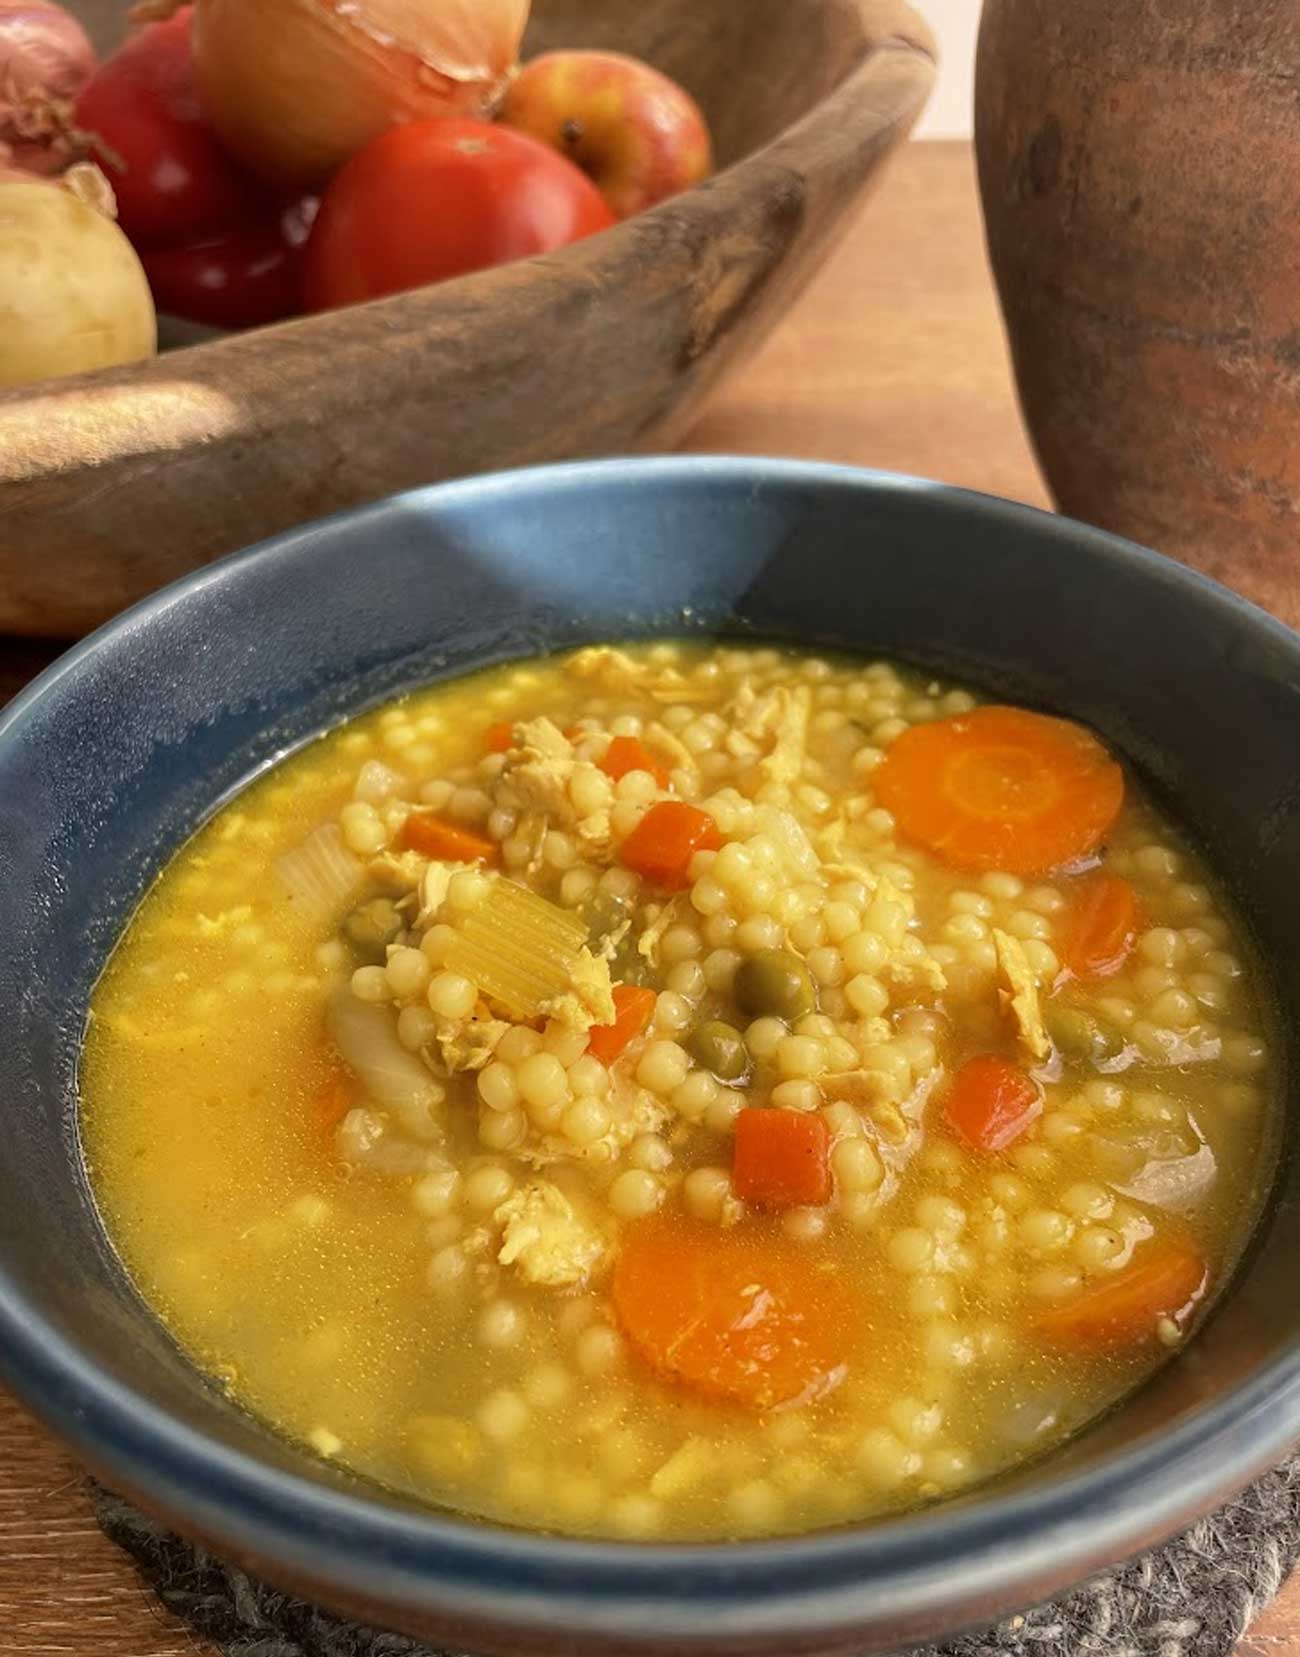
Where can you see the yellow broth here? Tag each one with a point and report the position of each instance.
(338, 1265)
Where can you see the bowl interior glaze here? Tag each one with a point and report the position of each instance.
(117, 753)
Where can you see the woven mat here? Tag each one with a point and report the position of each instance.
(1193, 1598)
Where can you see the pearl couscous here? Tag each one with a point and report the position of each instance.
(682, 1092)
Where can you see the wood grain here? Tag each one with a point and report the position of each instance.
(114, 483)
(894, 358)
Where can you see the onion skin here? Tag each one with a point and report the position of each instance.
(73, 296)
(140, 111)
(294, 88)
(45, 60)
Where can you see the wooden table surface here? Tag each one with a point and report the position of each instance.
(893, 358)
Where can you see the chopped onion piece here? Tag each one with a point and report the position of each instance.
(366, 1037)
(1173, 1183)
(321, 876)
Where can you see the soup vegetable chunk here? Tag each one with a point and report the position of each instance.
(682, 1092)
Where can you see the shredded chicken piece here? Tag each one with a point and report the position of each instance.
(875, 1091)
(790, 726)
(542, 739)
(1018, 995)
(538, 771)
(539, 788)
(613, 667)
(915, 972)
(467, 1046)
(433, 890)
(648, 943)
(663, 741)
(855, 1087)
(890, 1123)
(546, 1239)
(481, 1239)
(395, 873)
(616, 670)
(596, 835)
(779, 713)
(838, 862)
(590, 997)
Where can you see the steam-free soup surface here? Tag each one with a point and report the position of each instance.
(682, 1092)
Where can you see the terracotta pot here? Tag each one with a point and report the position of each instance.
(1140, 167)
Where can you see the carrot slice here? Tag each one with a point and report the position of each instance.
(626, 754)
(1001, 788)
(1167, 1281)
(661, 846)
(435, 837)
(992, 1102)
(500, 738)
(634, 1007)
(1101, 927)
(781, 1159)
(734, 1315)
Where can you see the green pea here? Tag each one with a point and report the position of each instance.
(1082, 1037)
(721, 1050)
(775, 984)
(372, 927)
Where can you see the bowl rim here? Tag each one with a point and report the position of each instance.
(430, 1563)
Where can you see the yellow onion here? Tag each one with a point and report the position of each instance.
(73, 295)
(296, 87)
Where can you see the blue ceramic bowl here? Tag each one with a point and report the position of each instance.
(122, 748)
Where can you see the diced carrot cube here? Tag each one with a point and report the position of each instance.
(661, 846)
(781, 1159)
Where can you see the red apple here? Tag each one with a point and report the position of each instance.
(636, 133)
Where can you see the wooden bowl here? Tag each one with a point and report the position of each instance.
(114, 483)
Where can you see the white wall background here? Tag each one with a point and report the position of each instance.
(956, 23)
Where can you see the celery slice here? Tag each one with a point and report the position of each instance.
(519, 949)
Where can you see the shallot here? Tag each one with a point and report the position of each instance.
(45, 60)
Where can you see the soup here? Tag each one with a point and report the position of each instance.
(689, 1092)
